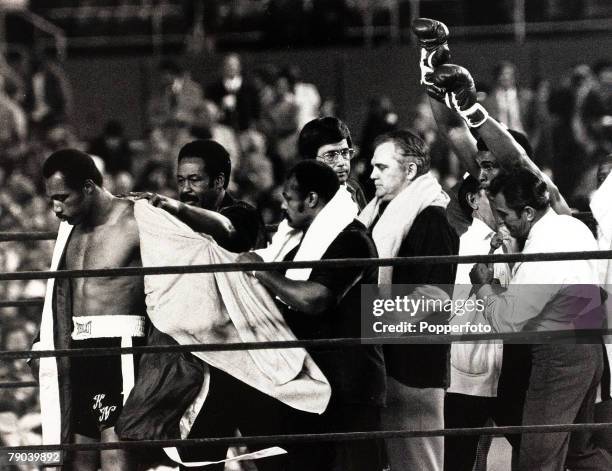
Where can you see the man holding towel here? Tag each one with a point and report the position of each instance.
(81, 398)
(407, 218)
(325, 303)
(203, 175)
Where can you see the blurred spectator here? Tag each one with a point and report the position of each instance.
(329, 107)
(123, 183)
(176, 98)
(49, 93)
(596, 109)
(444, 163)
(58, 135)
(13, 124)
(14, 77)
(264, 80)
(256, 178)
(279, 121)
(158, 178)
(307, 96)
(381, 118)
(207, 125)
(235, 96)
(570, 142)
(506, 102)
(542, 129)
(113, 148)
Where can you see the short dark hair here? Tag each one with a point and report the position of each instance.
(518, 136)
(408, 145)
(521, 187)
(469, 186)
(76, 166)
(320, 132)
(215, 157)
(312, 175)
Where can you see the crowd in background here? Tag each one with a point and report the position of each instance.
(256, 115)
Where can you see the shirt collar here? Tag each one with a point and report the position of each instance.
(540, 226)
(480, 228)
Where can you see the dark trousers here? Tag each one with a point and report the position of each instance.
(463, 411)
(355, 455)
(230, 405)
(562, 389)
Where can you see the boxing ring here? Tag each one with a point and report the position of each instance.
(523, 337)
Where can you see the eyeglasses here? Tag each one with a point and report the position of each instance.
(333, 156)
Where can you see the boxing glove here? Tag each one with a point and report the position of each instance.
(431, 38)
(460, 93)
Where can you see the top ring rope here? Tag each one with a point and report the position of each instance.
(331, 263)
(26, 236)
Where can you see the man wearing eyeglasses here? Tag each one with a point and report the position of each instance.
(328, 140)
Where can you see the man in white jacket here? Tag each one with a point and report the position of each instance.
(475, 366)
(546, 296)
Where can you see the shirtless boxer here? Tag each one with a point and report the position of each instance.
(105, 311)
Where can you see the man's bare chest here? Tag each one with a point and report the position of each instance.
(105, 247)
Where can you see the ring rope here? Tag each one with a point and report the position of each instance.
(493, 431)
(311, 438)
(18, 384)
(26, 236)
(22, 302)
(518, 337)
(330, 263)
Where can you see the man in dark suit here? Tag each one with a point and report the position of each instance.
(234, 95)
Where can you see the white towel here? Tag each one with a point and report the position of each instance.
(47, 374)
(397, 218)
(223, 307)
(338, 213)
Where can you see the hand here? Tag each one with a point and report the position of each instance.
(431, 38)
(497, 240)
(460, 94)
(168, 204)
(249, 257)
(481, 274)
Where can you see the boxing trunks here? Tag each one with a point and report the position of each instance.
(101, 384)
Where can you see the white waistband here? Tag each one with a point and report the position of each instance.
(93, 327)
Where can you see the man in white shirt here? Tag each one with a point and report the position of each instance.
(545, 296)
(470, 400)
(602, 212)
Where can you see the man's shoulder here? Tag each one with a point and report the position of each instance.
(232, 205)
(432, 215)
(125, 219)
(568, 230)
(124, 208)
(354, 241)
(430, 229)
(356, 229)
